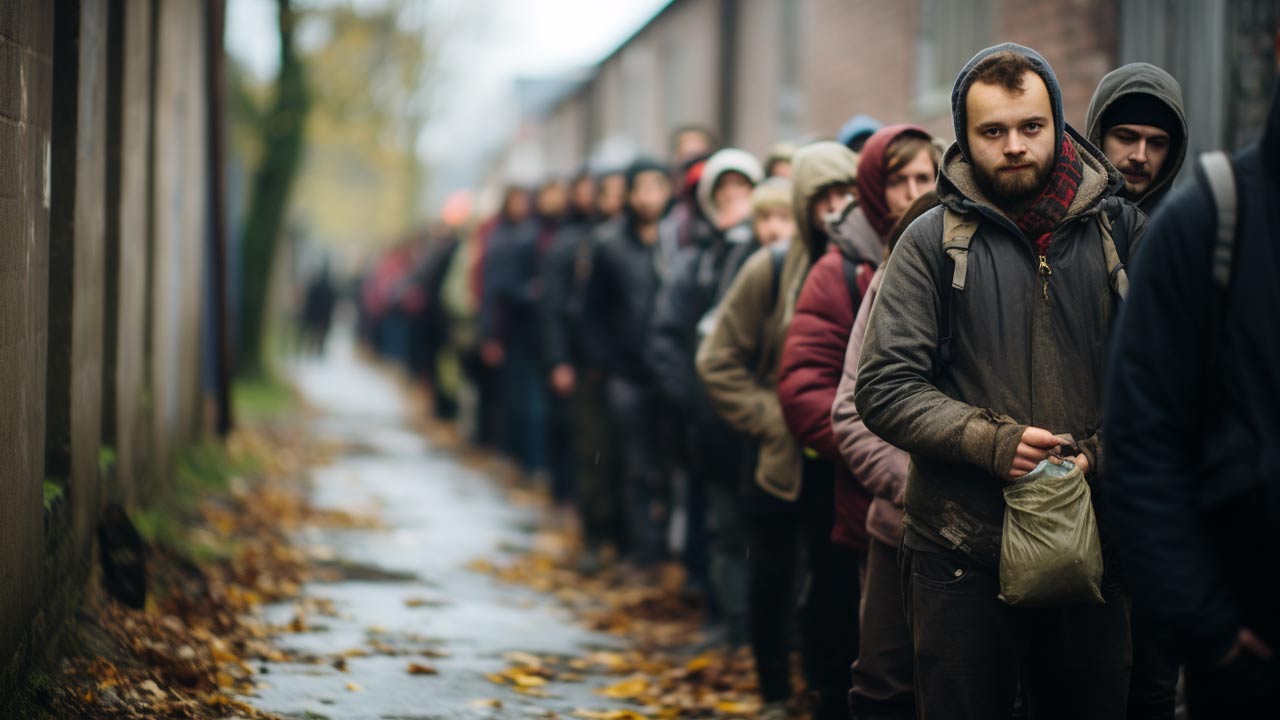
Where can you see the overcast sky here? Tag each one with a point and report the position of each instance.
(488, 44)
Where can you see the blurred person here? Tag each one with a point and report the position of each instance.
(1136, 118)
(689, 142)
(508, 326)
(777, 162)
(1192, 421)
(883, 684)
(738, 364)
(440, 366)
(857, 130)
(975, 384)
(898, 164)
(321, 296)
(612, 192)
(625, 283)
(692, 289)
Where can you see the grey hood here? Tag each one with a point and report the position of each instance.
(1142, 79)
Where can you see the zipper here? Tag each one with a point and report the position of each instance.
(1045, 272)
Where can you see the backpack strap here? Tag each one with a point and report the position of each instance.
(1116, 251)
(1222, 185)
(957, 233)
(857, 278)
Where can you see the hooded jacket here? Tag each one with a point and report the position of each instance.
(1143, 79)
(738, 361)
(1027, 349)
(814, 352)
(1193, 414)
(567, 339)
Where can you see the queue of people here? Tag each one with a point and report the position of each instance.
(812, 378)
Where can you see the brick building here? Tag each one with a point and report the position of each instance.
(763, 70)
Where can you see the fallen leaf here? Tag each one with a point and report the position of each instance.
(608, 714)
(526, 680)
(628, 689)
(419, 669)
(354, 687)
(487, 703)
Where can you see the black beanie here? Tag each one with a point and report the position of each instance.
(643, 165)
(1141, 109)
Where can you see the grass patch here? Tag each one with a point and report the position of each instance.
(261, 397)
(52, 494)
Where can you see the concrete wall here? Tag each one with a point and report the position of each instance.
(103, 222)
(26, 70)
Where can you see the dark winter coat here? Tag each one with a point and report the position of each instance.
(1027, 350)
(567, 338)
(1143, 79)
(1193, 415)
(622, 296)
(511, 288)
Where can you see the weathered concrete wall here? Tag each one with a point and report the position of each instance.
(26, 69)
(179, 223)
(126, 427)
(74, 382)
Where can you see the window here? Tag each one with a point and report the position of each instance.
(950, 33)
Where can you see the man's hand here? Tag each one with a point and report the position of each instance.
(1247, 642)
(563, 380)
(1081, 461)
(1032, 450)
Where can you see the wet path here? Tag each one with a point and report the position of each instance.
(421, 605)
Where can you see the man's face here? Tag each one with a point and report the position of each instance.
(913, 180)
(1138, 152)
(613, 192)
(732, 198)
(583, 194)
(831, 200)
(517, 205)
(774, 224)
(649, 195)
(1011, 139)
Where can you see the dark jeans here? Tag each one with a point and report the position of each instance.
(524, 406)
(599, 497)
(972, 650)
(634, 416)
(829, 601)
(883, 684)
(561, 455)
(1245, 689)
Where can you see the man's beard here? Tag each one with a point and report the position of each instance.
(1016, 189)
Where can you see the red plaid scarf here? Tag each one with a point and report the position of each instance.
(1039, 220)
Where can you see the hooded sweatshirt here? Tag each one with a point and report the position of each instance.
(725, 161)
(813, 355)
(738, 361)
(1139, 79)
(1027, 349)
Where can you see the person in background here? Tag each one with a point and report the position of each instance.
(1192, 421)
(624, 288)
(777, 162)
(738, 364)
(1137, 120)
(855, 132)
(724, 196)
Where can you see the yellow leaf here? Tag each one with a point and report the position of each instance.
(523, 658)
(527, 681)
(532, 692)
(628, 689)
(608, 714)
(420, 669)
(354, 687)
(487, 703)
(702, 662)
(737, 708)
(496, 679)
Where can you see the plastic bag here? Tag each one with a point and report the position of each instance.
(1050, 553)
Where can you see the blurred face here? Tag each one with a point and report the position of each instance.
(831, 200)
(649, 196)
(690, 143)
(552, 199)
(913, 180)
(1011, 139)
(774, 224)
(613, 192)
(1138, 152)
(583, 195)
(732, 197)
(780, 168)
(516, 205)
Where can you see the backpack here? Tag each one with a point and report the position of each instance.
(957, 232)
(857, 276)
(1221, 178)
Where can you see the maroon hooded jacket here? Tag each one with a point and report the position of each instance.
(813, 353)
